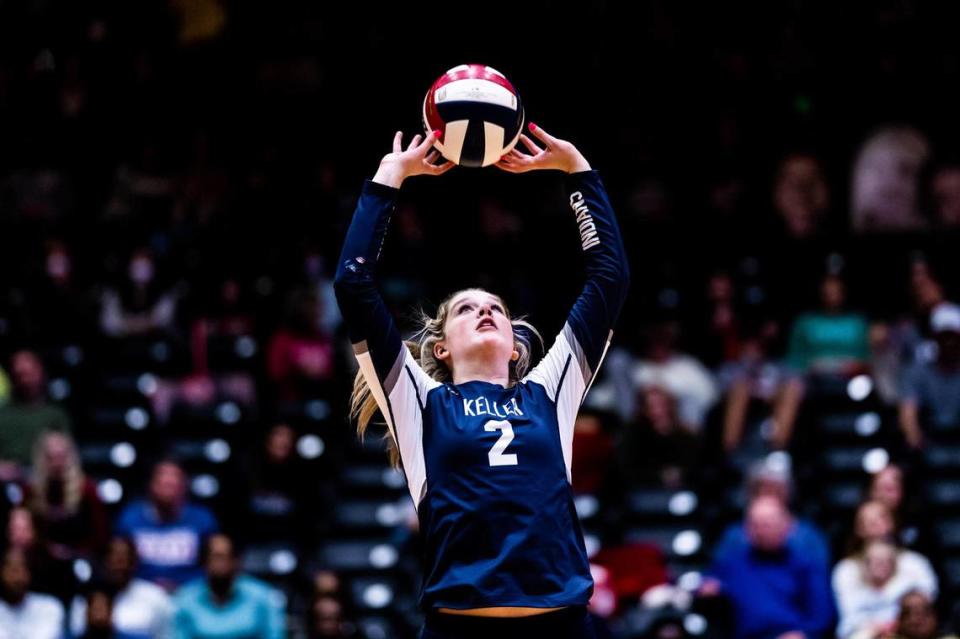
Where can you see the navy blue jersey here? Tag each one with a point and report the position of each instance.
(488, 466)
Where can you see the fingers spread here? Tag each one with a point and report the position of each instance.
(542, 135)
(397, 142)
(428, 141)
(414, 142)
(527, 142)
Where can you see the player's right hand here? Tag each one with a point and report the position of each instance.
(416, 159)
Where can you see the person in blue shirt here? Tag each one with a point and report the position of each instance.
(766, 478)
(166, 529)
(776, 589)
(485, 440)
(225, 604)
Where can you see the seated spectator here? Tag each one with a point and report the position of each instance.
(300, 356)
(141, 306)
(679, 374)
(226, 604)
(868, 588)
(59, 310)
(279, 498)
(98, 604)
(775, 590)
(139, 608)
(64, 500)
(873, 521)
(657, 447)
(167, 530)
(945, 186)
(767, 479)
(918, 618)
(29, 414)
(831, 341)
(752, 377)
(910, 519)
(326, 616)
(801, 196)
(52, 574)
(25, 614)
(907, 340)
(930, 393)
(885, 185)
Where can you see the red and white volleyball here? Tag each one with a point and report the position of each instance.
(478, 113)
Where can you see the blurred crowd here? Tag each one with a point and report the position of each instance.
(772, 449)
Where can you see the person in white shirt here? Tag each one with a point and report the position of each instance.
(141, 609)
(868, 588)
(25, 614)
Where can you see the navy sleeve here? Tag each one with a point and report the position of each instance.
(608, 273)
(364, 312)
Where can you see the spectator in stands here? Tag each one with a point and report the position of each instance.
(99, 613)
(679, 374)
(23, 613)
(657, 447)
(768, 478)
(279, 497)
(911, 522)
(872, 521)
(930, 393)
(52, 574)
(141, 306)
(752, 377)
(885, 185)
(226, 604)
(28, 415)
(946, 195)
(832, 341)
(167, 530)
(918, 618)
(139, 608)
(801, 196)
(868, 588)
(64, 500)
(775, 590)
(300, 356)
(58, 310)
(327, 617)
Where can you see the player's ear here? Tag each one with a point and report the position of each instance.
(440, 351)
(515, 355)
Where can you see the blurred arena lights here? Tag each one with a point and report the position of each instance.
(867, 424)
(682, 503)
(217, 451)
(860, 387)
(686, 543)
(310, 446)
(875, 460)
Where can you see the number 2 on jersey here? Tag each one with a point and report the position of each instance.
(496, 455)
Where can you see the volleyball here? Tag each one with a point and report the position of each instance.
(478, 113)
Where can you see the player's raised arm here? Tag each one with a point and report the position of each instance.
(368, 322)
(591, 320)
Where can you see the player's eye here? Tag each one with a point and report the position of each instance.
(497, 307)
(464, 307)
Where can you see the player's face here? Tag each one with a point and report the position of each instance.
(477, 325)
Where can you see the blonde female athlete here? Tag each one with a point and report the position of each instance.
(485, 443)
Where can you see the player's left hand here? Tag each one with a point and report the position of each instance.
(558, 154)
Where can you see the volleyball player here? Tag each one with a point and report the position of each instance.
(486, 442)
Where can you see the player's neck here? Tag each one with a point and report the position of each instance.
(482, 371)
